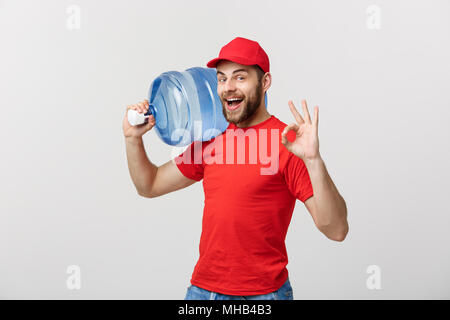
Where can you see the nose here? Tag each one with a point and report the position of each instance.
(229, 86)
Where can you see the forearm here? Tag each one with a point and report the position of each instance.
(330, 207)
(141, 169)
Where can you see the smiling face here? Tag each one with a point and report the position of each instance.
(243, 83)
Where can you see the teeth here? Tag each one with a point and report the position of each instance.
(234, 99)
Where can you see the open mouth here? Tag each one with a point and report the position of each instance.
(233, 103)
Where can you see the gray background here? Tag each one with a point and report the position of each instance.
(66, 194)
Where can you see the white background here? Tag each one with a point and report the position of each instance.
(66, 196)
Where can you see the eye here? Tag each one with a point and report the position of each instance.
(241, 77)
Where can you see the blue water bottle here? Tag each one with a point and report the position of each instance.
(185, 105)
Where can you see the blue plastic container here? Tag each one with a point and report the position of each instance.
(186, 106)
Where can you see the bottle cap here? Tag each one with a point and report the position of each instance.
(135, 118)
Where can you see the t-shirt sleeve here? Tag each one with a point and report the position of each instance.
(190, 161)
(297, 178)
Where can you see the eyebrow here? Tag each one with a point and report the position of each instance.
(237, 70)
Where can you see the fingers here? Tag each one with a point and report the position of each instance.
(307, 118)
(151, 121)
(284, 134)
(285, 141)
(316, 116)
(292, 126)
(306, 112)
(141, 107)
(295, 112)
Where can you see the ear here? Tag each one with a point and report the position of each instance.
(266, 81)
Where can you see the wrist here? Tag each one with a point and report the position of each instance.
(313, 162)
(133, 140)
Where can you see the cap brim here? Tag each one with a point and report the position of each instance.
(213, 63)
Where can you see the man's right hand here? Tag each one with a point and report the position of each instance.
(138, 131)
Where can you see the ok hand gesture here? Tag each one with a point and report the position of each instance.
(306, 143)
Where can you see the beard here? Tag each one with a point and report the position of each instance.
(247, 109)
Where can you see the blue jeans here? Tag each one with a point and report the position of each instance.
(196, 293)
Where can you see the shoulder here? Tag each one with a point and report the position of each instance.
(277, 123)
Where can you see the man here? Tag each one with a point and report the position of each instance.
(248, 204)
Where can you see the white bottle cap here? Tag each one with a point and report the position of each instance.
(135, 118)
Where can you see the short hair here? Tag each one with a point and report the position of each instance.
(259, 72)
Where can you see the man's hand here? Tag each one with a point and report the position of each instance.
(138, 131)
(306, 143)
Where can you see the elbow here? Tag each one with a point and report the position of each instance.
(146, 193)
(337, 230)
(342, 234)
(339, 237)
(335, 233)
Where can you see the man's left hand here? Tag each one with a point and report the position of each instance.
(306, 143)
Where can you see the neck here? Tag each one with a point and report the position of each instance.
(257, 117)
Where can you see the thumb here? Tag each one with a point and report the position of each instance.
(151, 121)
(285, 141)
(287, 133)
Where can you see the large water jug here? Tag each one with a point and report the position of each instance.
(185, 105)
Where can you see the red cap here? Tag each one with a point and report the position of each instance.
(242, 51)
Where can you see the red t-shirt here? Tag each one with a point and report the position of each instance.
(248, 206)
